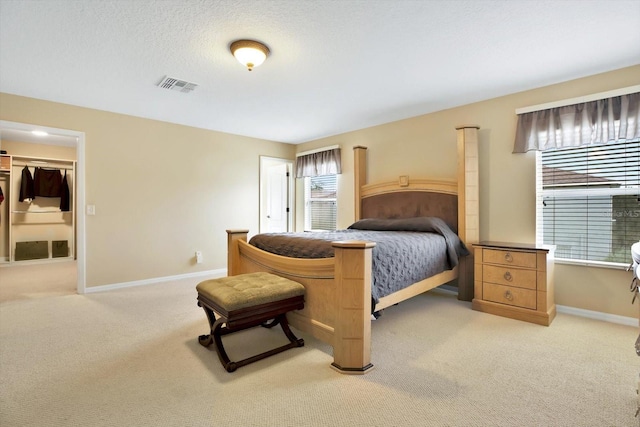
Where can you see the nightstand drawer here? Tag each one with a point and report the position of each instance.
(509, 295)
(505, 257)
(509, 276)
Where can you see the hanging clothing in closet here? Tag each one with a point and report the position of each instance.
(47, 182)
(65, 197)
(27, 193)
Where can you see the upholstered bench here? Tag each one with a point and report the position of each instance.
(244, 301)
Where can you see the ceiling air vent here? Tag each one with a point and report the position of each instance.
(177, 84)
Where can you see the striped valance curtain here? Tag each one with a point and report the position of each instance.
(595, 122)
(325, 162)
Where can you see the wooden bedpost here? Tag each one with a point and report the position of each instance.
(359, 176)
(352, 329)
(468, 205)
(233, 253)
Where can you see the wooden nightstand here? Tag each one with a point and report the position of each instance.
(514, 280)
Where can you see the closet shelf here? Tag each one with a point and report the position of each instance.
(28, 212)
(31, 224)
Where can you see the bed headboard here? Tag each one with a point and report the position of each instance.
(458, 203)
(404, 199)
(466, 188)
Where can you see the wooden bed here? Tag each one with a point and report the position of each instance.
(338, 290)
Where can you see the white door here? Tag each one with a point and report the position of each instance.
(275, 194)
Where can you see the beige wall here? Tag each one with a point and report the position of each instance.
(161, 191)
(425, 146)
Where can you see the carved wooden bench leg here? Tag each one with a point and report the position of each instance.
(298, 342)
(218, 330)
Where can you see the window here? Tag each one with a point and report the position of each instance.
(588, 201)
(320, 202)
(320, 169)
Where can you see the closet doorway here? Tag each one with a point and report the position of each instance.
(27, 273)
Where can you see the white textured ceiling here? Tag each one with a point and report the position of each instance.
(335, 66)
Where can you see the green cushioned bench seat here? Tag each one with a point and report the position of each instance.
(239, 302)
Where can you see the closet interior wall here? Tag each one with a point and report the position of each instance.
(39, 220)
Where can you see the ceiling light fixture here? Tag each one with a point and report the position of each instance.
(249, 53)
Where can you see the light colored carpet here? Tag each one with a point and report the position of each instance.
(27, 280)
(130, 357)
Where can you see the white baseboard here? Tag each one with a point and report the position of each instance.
(597, 315)
(213, 274)
(606, 317)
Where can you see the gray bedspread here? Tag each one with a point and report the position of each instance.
(406, 251)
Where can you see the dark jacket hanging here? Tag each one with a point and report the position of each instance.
(47, 182)
(64, 194)
(26, 186)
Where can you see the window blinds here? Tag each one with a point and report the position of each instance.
(589, 201)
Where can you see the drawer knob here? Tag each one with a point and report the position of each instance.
(508, 277)
(508, 257)
(508, 295)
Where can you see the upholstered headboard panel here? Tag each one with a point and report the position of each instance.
(408, 204)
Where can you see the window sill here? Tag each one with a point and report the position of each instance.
(600, 264)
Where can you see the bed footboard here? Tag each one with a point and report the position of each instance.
(337, 295)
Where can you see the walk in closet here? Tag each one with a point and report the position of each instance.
(37, 215)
